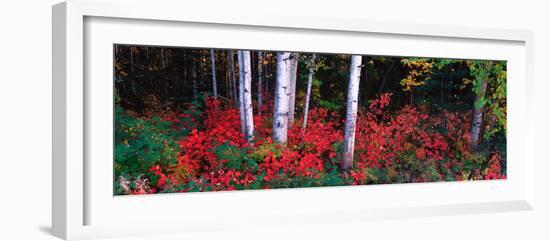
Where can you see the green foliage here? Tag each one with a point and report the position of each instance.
(235, 158)
(330, 105)
(378, 176)
(141, 143)
(331, 178)
(494, 97)
(441, 63)
(472, 164)
(497, 99)
(265, 150)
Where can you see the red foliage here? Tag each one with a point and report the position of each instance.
(157, 170)
(494, 170)
(382, 138)
(385, 140)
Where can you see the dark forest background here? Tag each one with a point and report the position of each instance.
(155, 83)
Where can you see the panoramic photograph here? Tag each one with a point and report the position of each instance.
(201, 120)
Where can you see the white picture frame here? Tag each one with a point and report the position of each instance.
(75, 201)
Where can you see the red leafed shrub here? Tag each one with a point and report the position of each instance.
(382, 138)
(494, 171)
(391, 146)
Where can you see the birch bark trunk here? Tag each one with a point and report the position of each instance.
(260, 80)
(351, 111)
(281, 98)
(293, 77)
(246, 82)
(241, 93)
(266, 80)
(213, 70)
(477, 118)
(194, 75)
(308, 91)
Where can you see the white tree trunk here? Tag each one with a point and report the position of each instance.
(213, 69)
(293, 76)
(246, 82)
(477, 119)
(260, 80)
(351, 111)
(308, 91)
(248, 97)
(281, 98)
(266, 84)
(231, 56)
(241, 93)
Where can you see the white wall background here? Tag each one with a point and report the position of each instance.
(25, 119)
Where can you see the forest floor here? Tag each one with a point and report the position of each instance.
(203, 149)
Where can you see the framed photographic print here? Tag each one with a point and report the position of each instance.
(171, 121)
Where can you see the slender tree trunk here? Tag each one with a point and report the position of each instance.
(231, 60)
(477, 118)
(267, 77)
(228, 92)
(185, 69)
(132, 59)
(386, 76)
(351, 111)
(281, 98)
(449, 92)
(200, 72)
(366, 93)
(134, 90)
(162, 60)
(164, 82)
(245, 80)
(308, 91)
(260, 78)
(194, 76)
(441, 87)
(248, 96)
(293, 77)
(213, 69)
(241, 94)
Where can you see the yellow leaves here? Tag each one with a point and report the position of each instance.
(465, 83)
(410, 82)
(469, 63)
(501, 75)
(181, 172)
(420, 70)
